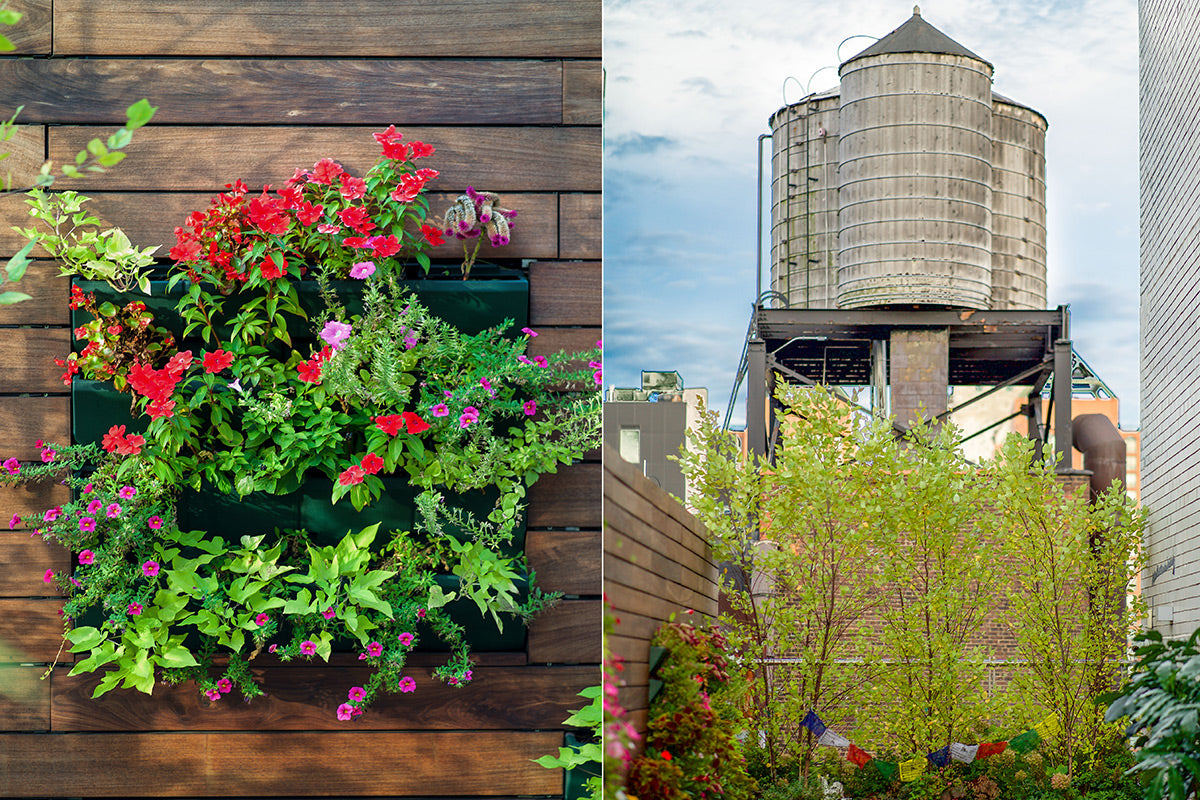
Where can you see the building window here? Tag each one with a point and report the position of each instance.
(631, 445)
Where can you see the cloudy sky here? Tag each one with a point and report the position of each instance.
(690, 86)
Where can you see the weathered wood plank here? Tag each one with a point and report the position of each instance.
(24, 699)
(565, 561)
(27, 359)
(583, 93)
(26, 152)
(291, 764)
(565, 293)
(30, 36)
(491, 158)
(498, 698)
(567, 498)
(30, 629)
(48, 292)
(579, 226)
(286, 92)
(569, 633)
(29, 499)
(469, 28)
(24, 420)
(25, 559)
(150, 218)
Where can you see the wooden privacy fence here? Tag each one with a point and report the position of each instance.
(509, 93)
(656, 563)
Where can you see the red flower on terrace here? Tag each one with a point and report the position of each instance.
(414, 423)
(310, 371)
(217, 361)
(273, 266)
(371, 463)
(393, 147)
(326, 171)
(353, 188)
(358, 242)
(307, 213)
(422, 150)
(161, 408)
(432, 234)
(351, 476)
(389, 423)
(268, 214)
(356, 218)
(115, 441)
(384, 246)
(410, 186)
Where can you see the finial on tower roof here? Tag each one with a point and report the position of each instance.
(916, 11)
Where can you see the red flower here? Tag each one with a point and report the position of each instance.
(421, 150)
(384, 246)
(410, 186)
(267, 214)
(308, 213)
(326, 171)
(432, 234)
(666, 756)
(272, 268)
(371, 463)
(310, 371)
(414, 423)
(357, 242)
(388, 136)
(389, 423)
(161, 408)
(351, 476)
(115, 441)
(352, 187)
(217, 361)
(397, 151)
(356, 218)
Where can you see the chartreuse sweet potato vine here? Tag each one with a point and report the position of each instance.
(243, 406)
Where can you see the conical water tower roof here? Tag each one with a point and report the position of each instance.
(916, 36)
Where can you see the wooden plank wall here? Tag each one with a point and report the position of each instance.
(656, 563)
(509, 93)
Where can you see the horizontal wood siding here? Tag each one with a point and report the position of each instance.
(508, 92)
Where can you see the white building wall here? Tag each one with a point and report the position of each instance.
(1170, 309)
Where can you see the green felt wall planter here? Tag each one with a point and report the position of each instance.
(575, 780)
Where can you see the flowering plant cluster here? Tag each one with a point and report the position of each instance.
(245, 402)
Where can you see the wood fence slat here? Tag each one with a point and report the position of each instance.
(579, 226)
(488, 158)
(565, 293)
(306, 698)
(583, 87)
(286, 92)
(47, 290)
(569, 633)
(24, 699)
(27, 359)
(291, 764)
(30, 629)
(150, 218)
(567, 498)
(26, 152)
(565, 561)
(473, 28)
(30, 36)
(24, 420)
(25, 559)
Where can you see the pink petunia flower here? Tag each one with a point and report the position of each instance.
(405, 639)
(470, 414)
(113, 510)
(262, 619)
(345, 712)
(150, 569)
(486, 384)
(540, 361)
(440, 410)
(308, 647)
(126, 492)
(407, 684)
(14, 522)
(420, 613)
(51, 514)
(362, 270)
(357, 694)
(224, 686)
(48, 577)
(12, 465)
(335, 334)
(529, 407)
(94, 506)
(155, 522)
(530, 332)
(87, 524)
(212, 694)
(328, 613)
(87, 489)
(87, 557)
(374, 649)
(135, 609)
(48, 455)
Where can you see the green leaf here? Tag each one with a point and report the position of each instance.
(437, 598)
(139, 114)
(9, 17)
(84, 638)
(177, 656)
(10, 298)
(111, 159)
(6, 44)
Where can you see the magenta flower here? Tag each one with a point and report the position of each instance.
(374, 649)
(440, 410)
(328, 613)
(272, 648)
(420, 613)
(362, 270)
(407, 684)
(113, 511)
(357, 694)
(87, 489)
(14, 522)
(155, 522)
(530, 407)
(486, 384)
(150, 569)
(212, 694)
(540, 361)
(51, 514)
(224, 686)
(135, 609)
(599, 344)
(49, 576)
(410, 341)
(345, 711)
(470, 414)
(87, 557)
(467, 676)
(335, 334)
(87, 524)
(48, 455)
(262, 619)
(405, 639)
(308, 647)
(12, 465)
(94, 507)
(127, 492)
(530, 332)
